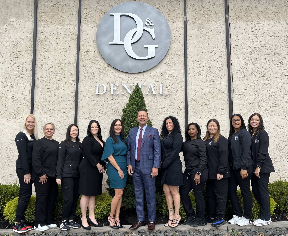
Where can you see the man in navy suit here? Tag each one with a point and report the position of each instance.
(143, 160)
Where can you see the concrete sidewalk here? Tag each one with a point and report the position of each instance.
(143, 230)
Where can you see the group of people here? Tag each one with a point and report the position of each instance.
(219, 163)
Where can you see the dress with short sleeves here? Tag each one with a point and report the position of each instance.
(118, 151)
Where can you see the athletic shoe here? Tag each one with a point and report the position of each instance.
(41, 228)
(210, 220)
(73, 224)
(19, 228)
(52, 226)
(198, 222)
(218, 222)
(243, 221)
(64, 225)
(234, 220)
(28, 227)
(189, 220)
(260, 222)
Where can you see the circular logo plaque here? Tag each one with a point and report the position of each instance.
(133, 37)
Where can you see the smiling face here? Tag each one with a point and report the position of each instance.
(30, 124)
(49, 131)
(94, 129)
(212, 128)
(118, 127)
(236, 123)
(169, 125)
(142, 118)
(255, 121)
(192, 131)
(73, 132)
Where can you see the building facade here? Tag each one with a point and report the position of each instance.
(259, 69)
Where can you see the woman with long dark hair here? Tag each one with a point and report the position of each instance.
(218, 171)
(67, 175)
(91, 173)
(172, 177)
(262, 166)
(24, 142)
(115, 153)
(241, 170)
(44, 162)
(195, 175)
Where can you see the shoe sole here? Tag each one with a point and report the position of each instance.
(19, 232)
(214, 225)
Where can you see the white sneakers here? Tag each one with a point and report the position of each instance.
(260, 222)
(241, 221)
(41, 228)
(52, 226)
(244, 221)
(234, 220)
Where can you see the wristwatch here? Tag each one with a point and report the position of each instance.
(198, 173)
(258, 166)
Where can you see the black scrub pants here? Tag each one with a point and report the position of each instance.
(25, 193)
(244, 185)
(45, 199)
(261, 193)
(70, 189)
(217, 192)
(188, 185)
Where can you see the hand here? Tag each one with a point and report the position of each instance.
(154, 172)
(130, 171)
(197, 179)
(257, 172)
(121, 174)
(58, 181)
(43, 179)
(243, 173)
(219, 177)
(100, 167)
(103, 170)
(27, 178)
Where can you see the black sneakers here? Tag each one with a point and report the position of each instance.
(198, 222)
(65, 225)
(19, 228)
(73, 224)
(218, 222)
(189, 220)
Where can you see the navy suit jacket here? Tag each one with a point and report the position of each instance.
(150, 152)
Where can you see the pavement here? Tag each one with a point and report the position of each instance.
(159, 228)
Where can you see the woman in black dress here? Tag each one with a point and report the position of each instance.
(218, 171)
(172, 177)
(241, 170)
(91, 173)
(44, 161)
(24, 142)
(195, 175)
(262, 166)
(67, 175)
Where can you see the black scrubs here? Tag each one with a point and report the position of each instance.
(69, 158)
(261, 158)
(194, 152)
(23, 167)
(217, 190)
(240, 158)
(44, 161)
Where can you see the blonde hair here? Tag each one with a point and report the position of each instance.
(217, 135)
(25, 131)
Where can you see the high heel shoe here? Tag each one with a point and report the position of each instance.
(118, 224)
(167, 224)
(176, 221)
(85, 227)
(92, 223)
(112, 222)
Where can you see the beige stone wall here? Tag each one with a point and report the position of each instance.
(16, 42)
(207, 70)
(260, 69)
(259, 56)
